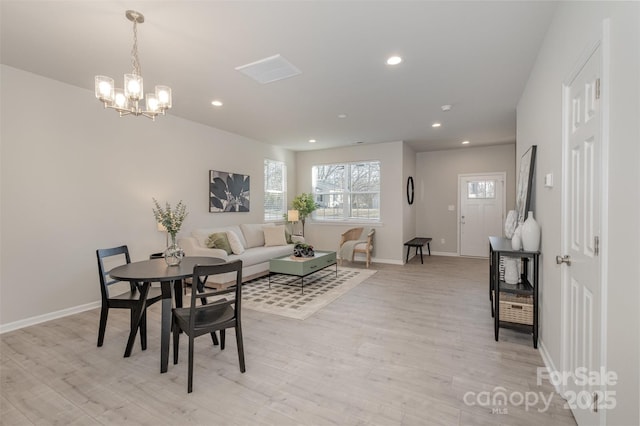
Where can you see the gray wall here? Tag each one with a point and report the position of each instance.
(389, 232)
(81, 178)
(576, 26)
(437, 188)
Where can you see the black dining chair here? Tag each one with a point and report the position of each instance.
(210, 316)
(136, 299)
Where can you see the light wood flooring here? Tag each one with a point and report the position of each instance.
(402, 348)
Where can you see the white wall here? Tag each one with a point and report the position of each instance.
(575, 26)
(76, 177)
(389, 233)
(437, 188)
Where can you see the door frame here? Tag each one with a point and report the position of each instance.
(501, 176)
(601, 42)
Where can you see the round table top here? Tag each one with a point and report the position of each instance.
(154, 270)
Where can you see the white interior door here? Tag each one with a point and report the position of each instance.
(482, 208)
(582, 333)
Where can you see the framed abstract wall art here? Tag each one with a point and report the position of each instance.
(525, 183)
(228, 192)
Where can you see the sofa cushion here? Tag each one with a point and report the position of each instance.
(254, 234)
(274, 236)
(219, 240)
(235, 243)
(202, 234)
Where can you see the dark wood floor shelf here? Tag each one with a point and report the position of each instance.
(525, 307)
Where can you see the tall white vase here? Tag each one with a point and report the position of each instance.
(530, 234)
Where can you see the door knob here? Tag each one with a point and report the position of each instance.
(563, 259)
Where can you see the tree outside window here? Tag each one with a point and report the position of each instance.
(347, 191)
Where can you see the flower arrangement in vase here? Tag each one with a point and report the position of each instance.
(171, 220)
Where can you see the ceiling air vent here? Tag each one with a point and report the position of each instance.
(269, 69)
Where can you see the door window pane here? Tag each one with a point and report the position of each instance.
(481, 189)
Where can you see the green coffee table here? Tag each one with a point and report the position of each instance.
(302, 266)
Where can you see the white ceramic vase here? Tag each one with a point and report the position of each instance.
(511, 273)
(510, 224)
(530, 234)
(516, 241)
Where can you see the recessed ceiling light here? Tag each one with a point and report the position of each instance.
(465, 142)
(446, 107)
(216, 103)
(312, 141)
(342, 115)
(436, 125)
(394, 60)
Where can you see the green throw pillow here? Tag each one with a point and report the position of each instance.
(219, 240)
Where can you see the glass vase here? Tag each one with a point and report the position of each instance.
(173, 254)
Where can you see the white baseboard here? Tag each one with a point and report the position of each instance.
(548, 362)
(5, 328)
(444, 253)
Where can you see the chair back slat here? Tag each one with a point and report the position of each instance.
(201, 292)
(105, 279)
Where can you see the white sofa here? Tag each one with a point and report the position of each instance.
(255, 255)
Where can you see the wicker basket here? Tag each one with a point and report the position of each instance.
(516, 308)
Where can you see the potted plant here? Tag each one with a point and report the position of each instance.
(305, 204)
(303, 250)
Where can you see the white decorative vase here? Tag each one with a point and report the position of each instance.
(511, 273)
(530, 234)
(510, 224)
(516, 241)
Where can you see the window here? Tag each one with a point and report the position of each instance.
(275, 190)
(481, 189)
(347, 191)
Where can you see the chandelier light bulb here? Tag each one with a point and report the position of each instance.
(104, 88)
(163, 93)
(152, 102)
(120, 100)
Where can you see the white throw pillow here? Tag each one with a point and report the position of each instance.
(253, 234)
(274, 236)
(234, 242)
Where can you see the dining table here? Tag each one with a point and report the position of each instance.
(157, 270)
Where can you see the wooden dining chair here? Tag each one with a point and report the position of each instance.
(210, 316)
(136, 299)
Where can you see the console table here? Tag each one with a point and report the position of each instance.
(518, 298)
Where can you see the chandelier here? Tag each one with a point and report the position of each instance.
(127, 101)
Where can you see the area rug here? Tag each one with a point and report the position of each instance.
(285, 298)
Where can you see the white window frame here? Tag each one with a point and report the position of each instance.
(272, 215)
(346, 193)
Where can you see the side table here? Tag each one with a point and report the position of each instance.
(526, 289)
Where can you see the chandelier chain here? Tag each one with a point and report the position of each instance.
(134, 50)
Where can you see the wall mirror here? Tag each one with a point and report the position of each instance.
(525, 183)
(410, 190)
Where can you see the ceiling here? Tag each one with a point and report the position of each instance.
(475, 56)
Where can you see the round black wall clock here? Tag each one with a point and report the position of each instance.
(410, 190)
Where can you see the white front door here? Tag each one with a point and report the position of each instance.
(482, 208)
(581, 282)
